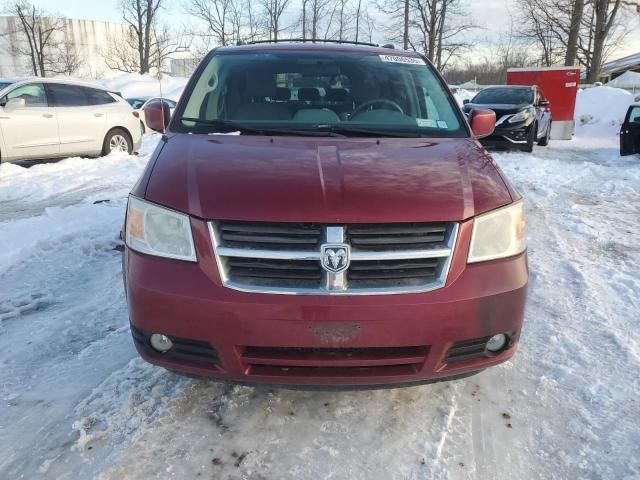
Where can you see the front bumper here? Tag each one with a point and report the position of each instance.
(513, 135)
(323, 340)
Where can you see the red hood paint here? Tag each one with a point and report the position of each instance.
(325, 180)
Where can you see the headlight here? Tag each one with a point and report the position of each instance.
(158, 231)
(520, 116)
(498, 234)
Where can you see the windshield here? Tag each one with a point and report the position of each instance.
(497, 96)
(309, 92)
(4, 85)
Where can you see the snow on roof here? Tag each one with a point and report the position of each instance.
(624, 63)
(627, 79)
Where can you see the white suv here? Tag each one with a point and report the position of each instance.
(49, 118)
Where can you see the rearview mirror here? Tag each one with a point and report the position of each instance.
(14, 104)
(157, 115)
(483, 122)
(465, 101)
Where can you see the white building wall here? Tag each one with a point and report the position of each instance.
(88, 36)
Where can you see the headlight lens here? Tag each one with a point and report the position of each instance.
(498, 234)
(158, 231)
(520, 116)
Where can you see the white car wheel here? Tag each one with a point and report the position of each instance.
(117, 141)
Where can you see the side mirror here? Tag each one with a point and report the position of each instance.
(157, 115)
(465, 101)
(483, 122)
(544, 103)
(14, 104)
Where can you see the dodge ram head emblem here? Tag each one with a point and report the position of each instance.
(335, 257)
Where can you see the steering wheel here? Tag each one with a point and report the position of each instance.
(377, 101)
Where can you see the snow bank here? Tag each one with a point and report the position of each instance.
(600, 111)
(461, 95)
(77, 200)
(136, 85)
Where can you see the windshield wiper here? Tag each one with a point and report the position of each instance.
(227, 126)
(346, 130)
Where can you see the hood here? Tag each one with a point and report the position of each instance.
(500, 108)
(324, 180)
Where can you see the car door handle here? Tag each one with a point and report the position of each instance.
(48, 115)
(97, 114)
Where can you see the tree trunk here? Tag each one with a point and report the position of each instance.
(604, 21)
(304, 19)
(358, 19)
(574, 32)
(314, 21)
(431, 49)
(405, 36)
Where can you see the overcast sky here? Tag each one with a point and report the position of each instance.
(492, 15)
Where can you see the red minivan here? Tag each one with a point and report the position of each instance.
(323, 214)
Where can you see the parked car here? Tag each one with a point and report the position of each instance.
(630, 132)
(523, 115)
(139, 103)
(5, 82)
(358, 235)
(50, 118)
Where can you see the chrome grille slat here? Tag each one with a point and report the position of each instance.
(286, 257)
(270, 236)
(394, 237)
(382, 240)
(267, 239)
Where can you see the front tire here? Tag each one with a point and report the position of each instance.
(531, 138)
(544, 141)
(117, 140)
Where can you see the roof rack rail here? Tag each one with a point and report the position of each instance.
(309, 40)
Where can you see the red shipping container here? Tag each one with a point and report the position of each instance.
(560, 86)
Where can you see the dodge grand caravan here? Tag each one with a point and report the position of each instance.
(320, 215)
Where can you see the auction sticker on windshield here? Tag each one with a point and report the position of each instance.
(402, 59)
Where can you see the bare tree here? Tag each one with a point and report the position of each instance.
(41, 36)
(146, 44)
(605, 13)
(67, 60)
(370, 25)
(340, 20)
(319, 12)
(274, 10)
(543, 23)
(573, 31)
(575, 24)
(218, 17)
(358, 13)
(433, 27)
(439, 25)
(122, 51)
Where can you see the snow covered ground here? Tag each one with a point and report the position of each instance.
(78, 403)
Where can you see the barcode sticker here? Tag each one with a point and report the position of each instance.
(402, 59)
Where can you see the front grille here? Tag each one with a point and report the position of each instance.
(260, 271)
(387, 273)
(333, 362)
(275, 236)
(288, 258)
(184, 349)
(390, 236)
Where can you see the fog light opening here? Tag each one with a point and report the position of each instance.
(161, 343)
(497, 343)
